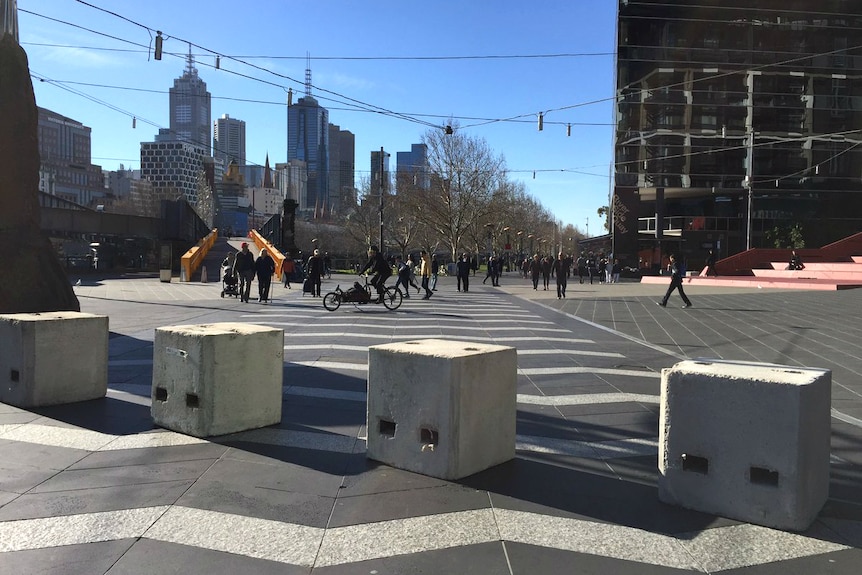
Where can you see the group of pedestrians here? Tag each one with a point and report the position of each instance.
(245, 268)
(601, 267)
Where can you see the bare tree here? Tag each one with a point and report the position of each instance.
(464, 175)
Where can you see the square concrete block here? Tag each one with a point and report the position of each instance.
(749, 441)
(441, 408)
(51, 358)
(217, 378)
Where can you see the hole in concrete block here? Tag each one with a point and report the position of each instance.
(387, 428)
(429, 436)
(695, 463)
(15, 375)
(192, 400)
(763, 476)
(161, 394)
(471, 349)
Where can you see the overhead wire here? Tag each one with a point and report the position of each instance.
(409, 117)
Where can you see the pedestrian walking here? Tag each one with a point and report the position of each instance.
(710, 264)
(582, 268)
(435, 269)
(425, 273)
(562, 277)
(547, 266)
(535, 270)
(243, 268)
(264, 267)
(402, 276)
(288, 268)
(677, 271)
(314, 271)
(463, 272)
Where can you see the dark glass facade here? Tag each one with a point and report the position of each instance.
(735, 120)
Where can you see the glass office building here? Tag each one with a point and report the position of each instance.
(736, 120)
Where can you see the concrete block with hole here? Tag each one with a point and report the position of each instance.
(217, 378)
(51, 358)
(749, 441)
(441, 408)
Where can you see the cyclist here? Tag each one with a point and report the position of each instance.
(381, 269)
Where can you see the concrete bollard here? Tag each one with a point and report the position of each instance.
(749, 441)
(441, 408)
(51, 358)
(217, 378)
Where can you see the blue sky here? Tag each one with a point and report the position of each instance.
(475, 61)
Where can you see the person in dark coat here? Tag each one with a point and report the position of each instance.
(243, 268)
(381, 269)
(315, 271)
(677, 270)
(535, 270)
(463, 267)
(582, 268)
(795, 262)
(562, 277)
(547, 267)
(264, 267)
(402, 271)
(710, 264)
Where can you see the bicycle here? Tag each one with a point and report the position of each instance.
(361, 295)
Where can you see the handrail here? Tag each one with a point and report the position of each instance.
(276, 255)
(192, 259)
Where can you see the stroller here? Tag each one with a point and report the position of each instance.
(229, 283)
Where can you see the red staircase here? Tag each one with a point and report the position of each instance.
(832, 267)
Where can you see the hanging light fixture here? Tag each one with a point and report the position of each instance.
(134, 122)
(541, 121)
(159, 41)
(218, 62)
(568, 129)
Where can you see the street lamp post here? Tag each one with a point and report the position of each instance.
(749, 168)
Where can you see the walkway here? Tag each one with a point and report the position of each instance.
(95, 488)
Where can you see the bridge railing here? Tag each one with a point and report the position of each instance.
(274, 253)
(192, 259)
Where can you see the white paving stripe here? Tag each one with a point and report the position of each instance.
(570, 352)
(612, 449)
(417, 325)
(596, 370)
(588, 399)
(407, 337)
(248, 536)
(606, 540)
(710, 550)
(404, 536)
(77, 529)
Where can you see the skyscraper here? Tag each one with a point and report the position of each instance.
(190, 108)
(414, 166)
(229, 140)
(308, 140)
(342, 168)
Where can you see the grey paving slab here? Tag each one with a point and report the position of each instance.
(482, 559)
(38, 456)
(355, 509)
(66, 560)
(529, 559)
(83, 500)
(163, 558)
(125, 475)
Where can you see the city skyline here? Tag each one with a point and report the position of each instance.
(386, 89)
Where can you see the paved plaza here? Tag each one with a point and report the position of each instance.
(95, 487)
